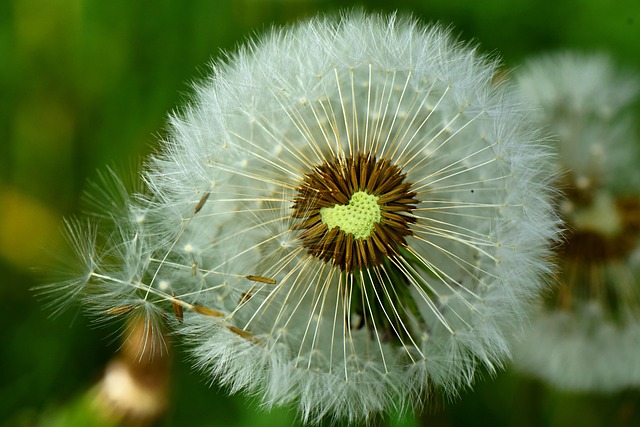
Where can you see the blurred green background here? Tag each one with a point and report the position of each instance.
(88, 83)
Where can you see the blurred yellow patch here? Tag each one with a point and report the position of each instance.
(26, 227)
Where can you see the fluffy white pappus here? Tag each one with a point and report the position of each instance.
(584, 336)
(352, 213)
(106, 258)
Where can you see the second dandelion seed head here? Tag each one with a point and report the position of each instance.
(583, 337)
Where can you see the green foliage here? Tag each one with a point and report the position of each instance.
(85, 84)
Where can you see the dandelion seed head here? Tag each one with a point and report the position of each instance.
(583, 336)
(378, 225)
(388, 195)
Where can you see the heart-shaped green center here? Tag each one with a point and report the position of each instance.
(356, 218)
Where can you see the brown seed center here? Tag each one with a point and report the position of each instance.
(333, 183)
(592, 247)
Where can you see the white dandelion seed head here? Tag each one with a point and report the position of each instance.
(351, 213)
(349, 334)
(585, 336)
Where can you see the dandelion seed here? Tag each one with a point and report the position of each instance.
(206, 311)
(201, 203)
(177, 310)
(585, 335)
(261, 279)
(378, 225)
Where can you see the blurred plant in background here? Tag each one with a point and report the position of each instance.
(88, 83)
(587, 336)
